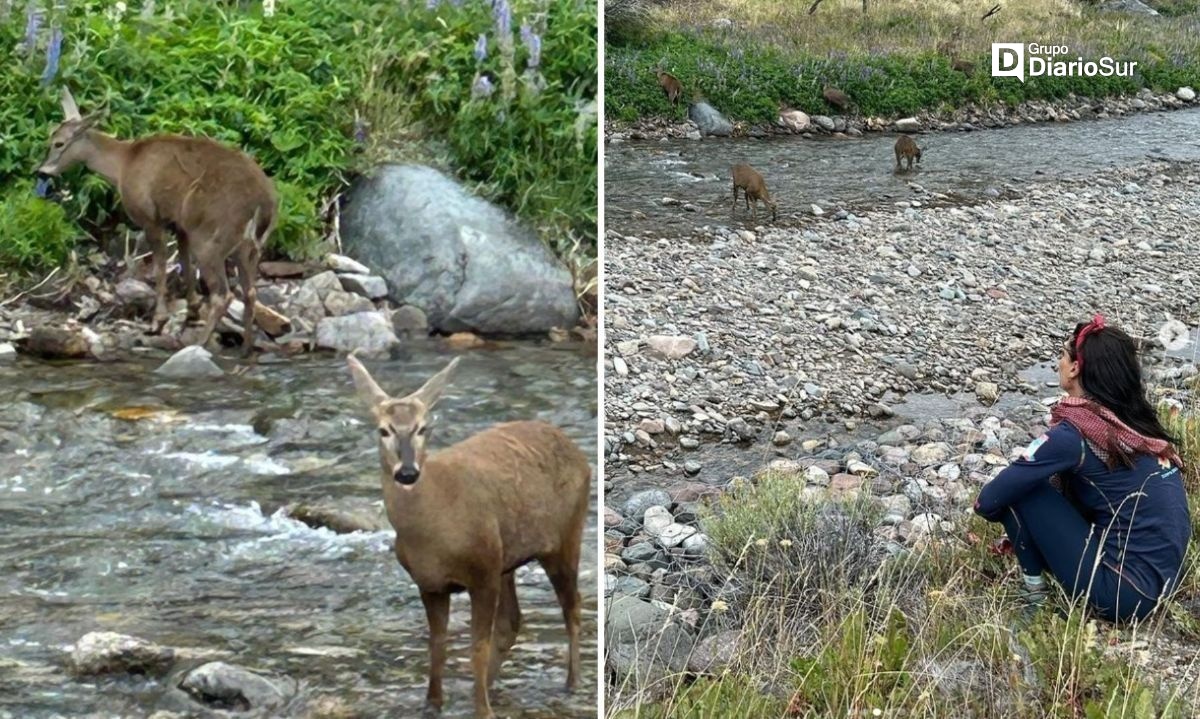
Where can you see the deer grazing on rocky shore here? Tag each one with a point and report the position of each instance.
(217, 200)
(467, 516)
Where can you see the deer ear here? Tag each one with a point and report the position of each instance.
(70, 109)
(432, 390)
(367, 389)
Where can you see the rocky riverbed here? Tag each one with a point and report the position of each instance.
(904, 352)
(968, 118)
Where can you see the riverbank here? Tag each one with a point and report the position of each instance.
(891, 60)
(833, 395)
(734, 334)
(969, 118)
(101, 309)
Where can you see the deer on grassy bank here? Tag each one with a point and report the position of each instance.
(217, 200)
(753, 188)
(467, 516)
(671, 87)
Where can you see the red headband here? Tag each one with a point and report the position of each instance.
(1095, 325)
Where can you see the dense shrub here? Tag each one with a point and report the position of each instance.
(36, 234)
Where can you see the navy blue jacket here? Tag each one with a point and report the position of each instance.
(1145, 505)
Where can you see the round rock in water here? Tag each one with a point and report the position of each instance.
(462, 260)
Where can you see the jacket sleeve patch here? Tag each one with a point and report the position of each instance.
(1032, 449)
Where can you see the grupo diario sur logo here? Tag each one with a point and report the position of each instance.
(1020, 60)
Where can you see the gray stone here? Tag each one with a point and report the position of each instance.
(675, 534)
(343, 516)
(7, 352)
(669, 347)
(324, 283)
(226, 686)
(190, 363)
(1133, 7)
(908, 124)
(709, 120)
(110, 653)
(410, 320)
(344, 265)
(340, 304)
(368, 286)
(824, 122)
(712, 655)
(368, 331)
(459, 258)
(135, 294)
(642, 642)
(1186, 94)
(795, 120)
(656, 520)
(636, 506)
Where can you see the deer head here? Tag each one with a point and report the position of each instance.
(403, 423)
(66, 149)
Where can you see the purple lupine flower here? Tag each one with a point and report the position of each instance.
(432, 4)
(53, 53)
(483, 87)
(503, 15)
(33, 21)
(481, 48)
(534, 43)
(360, 130)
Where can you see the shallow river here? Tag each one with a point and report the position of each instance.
(860, 173)
(166, 527)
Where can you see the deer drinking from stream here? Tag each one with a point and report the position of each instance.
(753, 188)
(468, 516)
(217, 200)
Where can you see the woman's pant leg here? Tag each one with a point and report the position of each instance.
(1047, 532)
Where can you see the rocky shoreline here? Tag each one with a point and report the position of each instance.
(972, 117)
(336, 304)
(791, 347)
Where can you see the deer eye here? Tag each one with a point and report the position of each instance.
(421, 430)
(384, 433)
(59, 145)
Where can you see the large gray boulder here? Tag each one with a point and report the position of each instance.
(709, 120)
(461, 259)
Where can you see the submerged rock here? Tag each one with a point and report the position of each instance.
(111, 653)
(190, 362)
(226, 686)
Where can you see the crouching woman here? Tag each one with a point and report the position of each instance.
(1118, 530)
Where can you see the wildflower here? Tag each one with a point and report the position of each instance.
(1173, 335)
(481, 48)
(33, 21)
(483, 87)
(503, 15)
(533, 42)
(877, 712)
(720, 605)
(53, 53)
(761, 543)
(785, 543)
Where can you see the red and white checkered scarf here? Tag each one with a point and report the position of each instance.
(1110, 438)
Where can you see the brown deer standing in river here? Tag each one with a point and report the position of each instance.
(466, 517)
(216, 199)
(753, 188)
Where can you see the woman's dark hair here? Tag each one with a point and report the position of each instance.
(1112, 376)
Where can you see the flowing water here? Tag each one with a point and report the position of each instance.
(859, 173)
(167, 527)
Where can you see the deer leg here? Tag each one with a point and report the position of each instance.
(247, 262)
(437, 612)
(734, 210)
(484, 601)
(212, 268)
(154, 236)
(508, 624)
(563, 571)
(189, 275)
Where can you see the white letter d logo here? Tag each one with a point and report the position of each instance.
(1008, 60)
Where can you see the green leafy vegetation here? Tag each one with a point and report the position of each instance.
(318, 91)
(37, 234)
